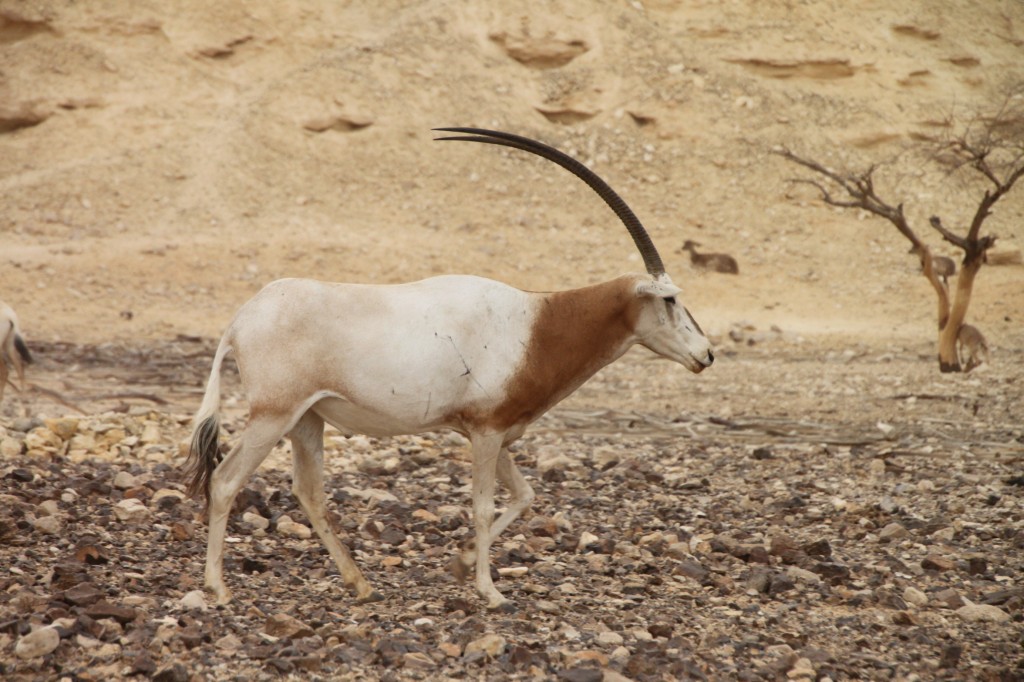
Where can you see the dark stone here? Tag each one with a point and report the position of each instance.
(192, 636)
(950, 656)
(104, 609)
(143, 665)
(173, 673)
(692, 569)
(818, 548)
(392, 536)
(780, 583)
(83, 594)
(21, 475)
(581, 675)
(661, 630)
(934, 562)
(833, 572)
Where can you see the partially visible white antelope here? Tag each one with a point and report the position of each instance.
(13, 351)
(453, 352)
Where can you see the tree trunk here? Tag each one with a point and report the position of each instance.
(948, 360)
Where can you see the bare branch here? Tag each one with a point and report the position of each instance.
(950, 237)
(861, 190)
(990, 199)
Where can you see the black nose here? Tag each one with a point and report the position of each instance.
(711, 358)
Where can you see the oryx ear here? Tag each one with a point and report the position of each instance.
(661, 287)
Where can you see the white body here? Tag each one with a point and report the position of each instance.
(456, 352)
(13, 352)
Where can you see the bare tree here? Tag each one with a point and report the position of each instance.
(990, 151)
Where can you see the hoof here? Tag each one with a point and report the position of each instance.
(221, 597)
(374, 596)
(505, 607)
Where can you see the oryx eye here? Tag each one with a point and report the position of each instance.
(671, 300)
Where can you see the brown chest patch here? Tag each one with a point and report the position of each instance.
(575, 334)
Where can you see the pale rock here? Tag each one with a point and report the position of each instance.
(778, 651)
(562, 522)
(803, 575)
(37, 643)
(124, 480)
(374, 496)
(641, 635)
(426, 516)
(551, 458)
(876, 469)
(450, 649)
(513, 571)
(150, 433)
(82, 441)
(982, 613)
(619, 653)
(491, 644)
(194, 601)
(416, 660)
(258, 522)
(606, 457)
(42, 440)
(48, 508)
(651, 538)
(10, 447)
(107, 651)
(914, 596)
(87, 642)
(609, 675)
(131, 510)
(944, 534)
(286, 526)
(282, 625)
(547, 606)
(228, 642)
(50, 525)
(568, 632)
(63, 427)
(586, 540)
(610, 638)
(114, 436)
(893, 531)
(165, 492)
(802, 669)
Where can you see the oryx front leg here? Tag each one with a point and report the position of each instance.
(308, 486)
(486, 454)
(521, 493)
(227, 479)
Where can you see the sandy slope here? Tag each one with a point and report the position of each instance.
(185, 158)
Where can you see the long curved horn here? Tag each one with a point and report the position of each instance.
(636, 230)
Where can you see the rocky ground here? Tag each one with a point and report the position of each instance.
(821, 504)
(680, 531)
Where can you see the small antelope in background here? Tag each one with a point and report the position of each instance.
(453, 352)
(942, 266)
(13, 351)
(717, 262)
(971, 347)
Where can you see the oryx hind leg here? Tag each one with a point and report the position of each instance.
(307, 438)
(260, 436)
